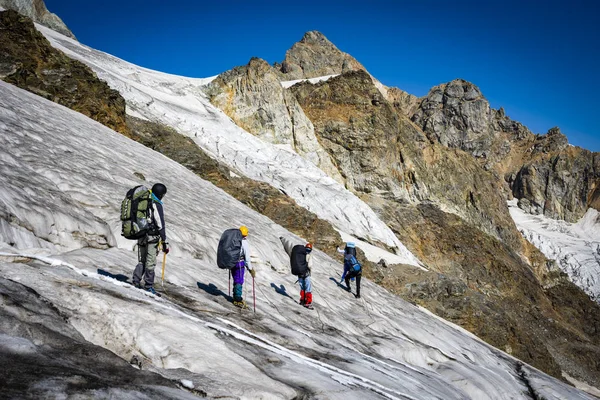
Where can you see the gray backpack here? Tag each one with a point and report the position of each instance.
(229, 249)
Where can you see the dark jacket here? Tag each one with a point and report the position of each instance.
(158, 219)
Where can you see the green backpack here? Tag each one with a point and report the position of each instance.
(136, 213)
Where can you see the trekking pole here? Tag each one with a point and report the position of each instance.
(229, 292)
(254, 294)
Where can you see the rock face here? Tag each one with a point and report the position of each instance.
(381, 154)
(456, 115)
(28, 61)
(544, 172)
(557, 180)
(37, 11)
(253, 97)
(315, 56)
(405, 103)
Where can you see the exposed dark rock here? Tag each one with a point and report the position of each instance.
(37, 11)
(457, 115)
(27, 60)
(558, 180)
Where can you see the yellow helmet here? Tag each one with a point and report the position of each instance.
(244, 230)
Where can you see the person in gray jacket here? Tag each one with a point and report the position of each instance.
(300, 261)
(148, 245)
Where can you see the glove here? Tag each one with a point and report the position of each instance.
(253, 273)
(165, 248)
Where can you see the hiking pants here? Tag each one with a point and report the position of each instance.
(237, 273)
(357, 275)
(147, 251)
(305, 290)
(305, 284)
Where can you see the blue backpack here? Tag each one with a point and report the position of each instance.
(352, 262)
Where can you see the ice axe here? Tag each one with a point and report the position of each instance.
(163, 269)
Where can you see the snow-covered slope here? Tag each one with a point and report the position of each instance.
(63, 176)
(180, 103)
(575, 247)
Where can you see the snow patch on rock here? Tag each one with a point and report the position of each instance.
(288, 84)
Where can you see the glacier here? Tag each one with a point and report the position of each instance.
(574, 246)
(63, 177)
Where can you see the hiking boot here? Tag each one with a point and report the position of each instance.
(137, 285)
(151, 290)
(240, 303)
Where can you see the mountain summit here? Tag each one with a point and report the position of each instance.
(313, 56)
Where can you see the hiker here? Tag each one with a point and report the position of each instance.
(352, 268)
(233, 253)
(148, 244)
(300, 260)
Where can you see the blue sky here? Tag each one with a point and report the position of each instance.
(537, 59)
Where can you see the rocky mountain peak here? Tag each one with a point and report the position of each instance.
(316, 38)
(456, 114)
(37, 11)
(313, 56)
(554, 131)
(553, 141)
(463, 90)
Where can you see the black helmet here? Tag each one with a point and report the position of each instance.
(159, 190)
